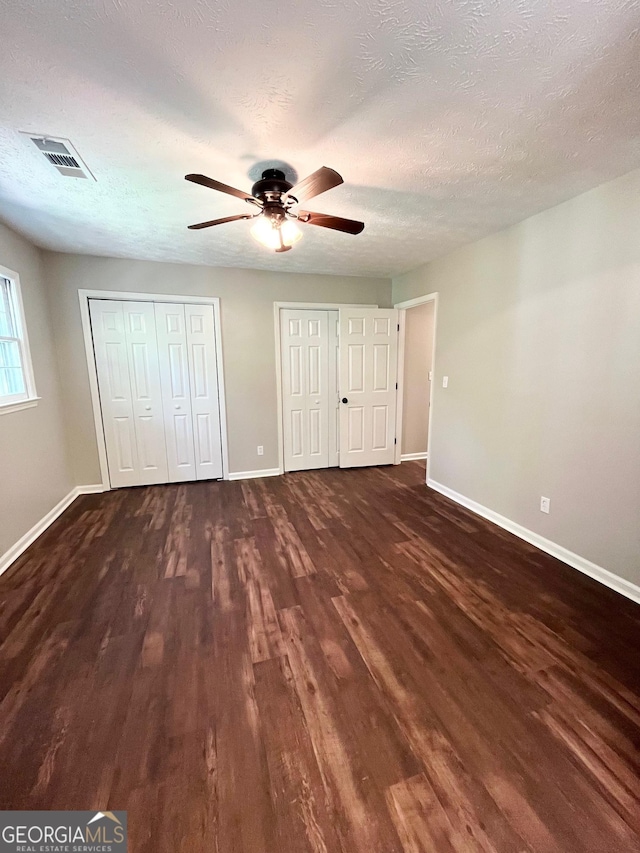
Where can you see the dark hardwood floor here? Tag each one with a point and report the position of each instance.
(327, 661)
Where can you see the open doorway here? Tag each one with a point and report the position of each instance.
(417, 322)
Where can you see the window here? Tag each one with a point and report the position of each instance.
(16, 376)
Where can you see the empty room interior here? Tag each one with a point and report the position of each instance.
(320, 426)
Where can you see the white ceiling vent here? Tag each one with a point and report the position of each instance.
(62, 156)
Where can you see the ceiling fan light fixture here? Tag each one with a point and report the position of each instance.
(290, 232)
(275, 197)
(267, 231)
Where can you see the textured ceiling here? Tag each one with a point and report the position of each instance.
(448, 119)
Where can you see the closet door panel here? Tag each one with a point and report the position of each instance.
(304, 342)
(110, 350)
(146, 395)
(176, 393)
(205, 404)
(368, 370)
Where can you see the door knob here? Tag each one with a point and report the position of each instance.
(177, 407)
(317, 402)
(147, 408)
(344, 400)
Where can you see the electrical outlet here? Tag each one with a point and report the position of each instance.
(260, 450)
(445, 381)
(545, 504)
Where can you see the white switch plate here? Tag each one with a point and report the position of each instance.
(260, 450)
(545, 504)
(445, 381)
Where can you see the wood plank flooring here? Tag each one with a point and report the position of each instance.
(326, 662)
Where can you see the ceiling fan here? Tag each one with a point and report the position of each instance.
(275, 197)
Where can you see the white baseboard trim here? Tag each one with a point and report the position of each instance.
(604, 576)
(96, 489)
(251, 475)
(411, 457)
(38, 529)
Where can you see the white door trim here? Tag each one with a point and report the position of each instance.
(84, 296)
(402, 317)
(307, 306)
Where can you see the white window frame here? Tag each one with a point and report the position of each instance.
(29, 397)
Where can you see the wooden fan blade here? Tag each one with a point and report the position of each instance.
(216, 185)
(319, 182)
(219, 221)
(337, 223)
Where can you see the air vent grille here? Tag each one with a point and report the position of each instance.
(62, 160)
(61, 154)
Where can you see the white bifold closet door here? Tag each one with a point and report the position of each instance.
(309, 389)
(176, 390)
(205, 392)
(189, 374)
(158, 383)
(124, 340)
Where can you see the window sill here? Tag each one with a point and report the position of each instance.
(22, 404)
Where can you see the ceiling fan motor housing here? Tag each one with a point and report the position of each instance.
(271, 186)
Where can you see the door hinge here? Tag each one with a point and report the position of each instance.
(398, 326)
(396, 386)
(395, 440)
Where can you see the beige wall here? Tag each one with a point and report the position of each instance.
(418, 348)
(539, 333)
(247, 298)
(34, 475)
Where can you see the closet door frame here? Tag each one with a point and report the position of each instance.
(120, 295)
(306, 306)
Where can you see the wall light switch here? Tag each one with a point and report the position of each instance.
(545, 504)
(445, 381)
(260, 450)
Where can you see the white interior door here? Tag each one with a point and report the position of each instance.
(368, 370)
(205, 403)
(176, 390)
(126, 361)
(305, 388)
